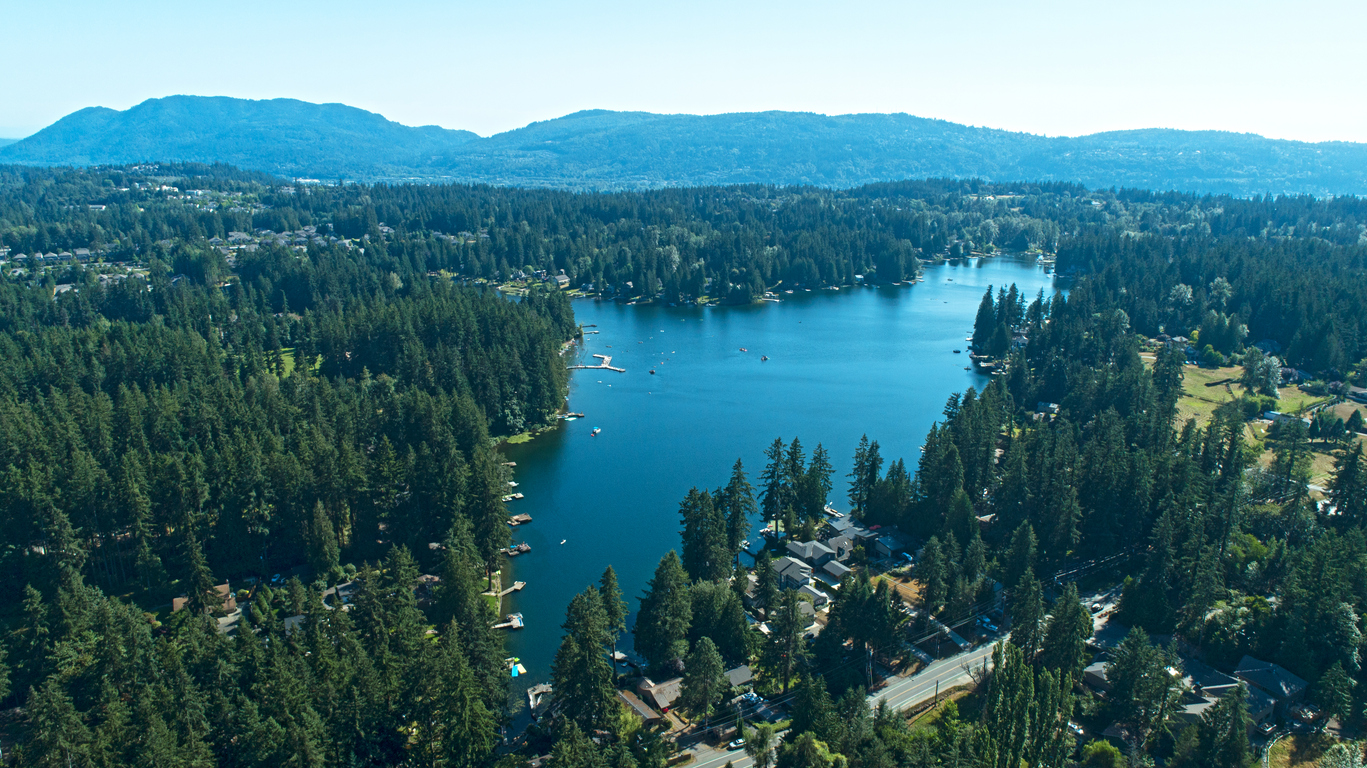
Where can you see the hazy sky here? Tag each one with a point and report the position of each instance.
(1294, 70)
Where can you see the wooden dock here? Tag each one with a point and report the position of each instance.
(606, 365)
(521, 519)
(516, 587)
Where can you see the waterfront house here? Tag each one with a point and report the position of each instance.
(792, 573)
(661, 695)
(813, 553)
(842, 546)
(639, 707)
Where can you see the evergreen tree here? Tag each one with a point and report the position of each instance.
(1348, 487)
(1027, 616)
(738, 504)
(1223, 731)
(704, 679)
(1068, 629)
(662, 623)
(614, 609)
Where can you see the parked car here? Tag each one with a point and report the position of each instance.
(737, 744)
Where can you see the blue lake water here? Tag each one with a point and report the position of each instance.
(841, 364)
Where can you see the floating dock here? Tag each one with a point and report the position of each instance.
(606, 365)
(521, 519)
(512, 496)
(517, 549)
(514, 621)
(516, 587)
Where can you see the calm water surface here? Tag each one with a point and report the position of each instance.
(841, 364)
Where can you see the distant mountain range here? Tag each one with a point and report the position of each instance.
(628, 150)
(3, 142)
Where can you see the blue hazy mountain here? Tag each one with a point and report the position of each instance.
(621, 150)
(283, 136)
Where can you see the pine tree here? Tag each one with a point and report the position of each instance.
(614, 609)
(859, 490)
(1348, 487)
(1223, 731)
(704, 679)
(1021, 557)
(59, 738)
(662, 623)
(1069, 627)
(1027, 616)
(323, 551)
(738, 505)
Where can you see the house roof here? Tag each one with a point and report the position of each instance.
(809, 550)
(841, 543)
(836, 568)
(1274, 679)
(662, 695)
(639, 707)
(791, 567)
(740, 676)
(816, 594)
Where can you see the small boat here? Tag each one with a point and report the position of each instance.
(562, 541)
(652, 371)
(763, 358)
(595, 431)
(743, 349)
(958, 351)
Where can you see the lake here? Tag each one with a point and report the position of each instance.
(841, 364)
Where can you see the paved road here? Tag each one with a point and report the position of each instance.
(902, 693)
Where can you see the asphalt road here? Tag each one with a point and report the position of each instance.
(902, 693)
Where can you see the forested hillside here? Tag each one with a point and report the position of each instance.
(605, 150)
(209, 375)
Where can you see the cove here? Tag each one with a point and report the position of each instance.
(841, 364)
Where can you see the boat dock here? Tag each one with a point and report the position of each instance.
(606, 365)
(521, 519)
(512, 496)
(514, 621)
(517, 549)
(516, 587)
(536, 696)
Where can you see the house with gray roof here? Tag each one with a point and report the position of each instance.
(1275, 680)
(792, 573)
(813, 553)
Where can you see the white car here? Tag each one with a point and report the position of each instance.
(737, 744)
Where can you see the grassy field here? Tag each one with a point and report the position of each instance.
(1299, 751)
(1205, 389)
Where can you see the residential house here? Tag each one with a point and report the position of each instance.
(819, 599)
(1358, 394)
(1206, 686)
(739, 676)
(835, 569)
(638, 706)
(660, 695)
(1094, 675)
(1272, 679)
(813, 553)
(842, 546)
(891, 543)
(792, 573)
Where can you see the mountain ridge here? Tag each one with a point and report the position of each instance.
(605, 149)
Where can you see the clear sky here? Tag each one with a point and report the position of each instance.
(1295, 70)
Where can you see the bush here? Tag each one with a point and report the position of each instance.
(1102, 754)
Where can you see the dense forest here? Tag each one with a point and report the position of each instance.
(1289, 270)
(212, 376)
